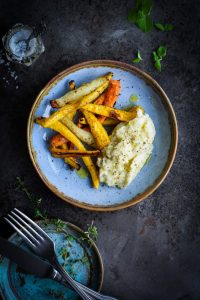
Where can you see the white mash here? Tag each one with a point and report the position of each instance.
(130, 146)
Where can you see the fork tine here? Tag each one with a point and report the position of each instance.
(40, 230)
(26, 232)
(35, 233)
(20, 233)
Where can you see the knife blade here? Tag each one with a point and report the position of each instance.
(27, 261)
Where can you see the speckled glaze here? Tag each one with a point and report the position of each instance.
(83, 263)
(67, 184)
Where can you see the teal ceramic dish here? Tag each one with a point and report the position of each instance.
(67, 184)
(81, 260)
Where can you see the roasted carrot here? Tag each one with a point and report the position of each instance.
(110, 96)
(59, 143)
(99, 101)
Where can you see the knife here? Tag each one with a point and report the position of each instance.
(29, 262)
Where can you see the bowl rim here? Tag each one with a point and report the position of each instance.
(172, 120)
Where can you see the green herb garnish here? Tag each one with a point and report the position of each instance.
(138, 58)
(38, 214)
(60, 225)
(64, 253)
(140, 15)
(158, 56)
(35, 201)
(91, 233)
(164, 27)
(70, 238)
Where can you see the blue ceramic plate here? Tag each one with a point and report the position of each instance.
(83, 262)
(66, 183)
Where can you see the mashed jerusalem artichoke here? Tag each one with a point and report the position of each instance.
(130, 146)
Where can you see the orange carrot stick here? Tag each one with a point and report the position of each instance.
(111, 96)
(100, 100)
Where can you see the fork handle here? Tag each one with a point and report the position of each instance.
(87, 290)
(71, 282)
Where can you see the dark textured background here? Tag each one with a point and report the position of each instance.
(152, 250)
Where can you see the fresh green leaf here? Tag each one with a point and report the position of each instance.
(169, 27)
(138, 58)
(158, 55)
(158, 65)
(144, 22)
(161, 52)
(145, 5)
(159, 26)
(140, 15)
(155, 56)
(166, 27)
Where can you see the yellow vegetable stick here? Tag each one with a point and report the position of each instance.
(63, 130)
(83, 135)
(71, 161)
(73, 106)
(98, 131)
(106, 122)
(81, 91)
(71, 114)
(117, 114)
(72, 87)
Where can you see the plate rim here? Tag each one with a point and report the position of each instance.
(172, 121)
(78, 229)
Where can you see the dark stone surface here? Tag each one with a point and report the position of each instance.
(151, 250)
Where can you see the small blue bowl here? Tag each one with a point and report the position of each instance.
(80, 259)
(67, 184)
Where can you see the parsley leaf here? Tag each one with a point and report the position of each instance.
(158, 65)
(140, 15)
(166, 27)
(138, 58)
(162, 52)
(158, 55)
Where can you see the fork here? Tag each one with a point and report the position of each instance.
(42, 245)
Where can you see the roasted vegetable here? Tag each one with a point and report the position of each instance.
(60, 142)
(62, 153)
(72, 113)
(64, 131)
(57, 141)
(72, 85)
(98, 101)
(98, 131)
(120, 115)
(107, 122)
(111, 95)
(82, 91)
(63, 111)
(83, 135)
